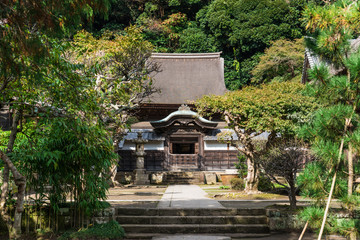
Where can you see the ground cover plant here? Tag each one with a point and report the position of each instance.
(110, 230)
(237, 184)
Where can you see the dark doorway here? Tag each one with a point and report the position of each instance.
(184, 145)
(183, 148)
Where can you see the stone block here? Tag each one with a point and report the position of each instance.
(141, 177)
(125, 177)
(157, 178)
(210, 178)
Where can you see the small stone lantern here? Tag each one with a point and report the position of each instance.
(141, 178)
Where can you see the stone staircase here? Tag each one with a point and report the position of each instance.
(195, 177)
(142, 223)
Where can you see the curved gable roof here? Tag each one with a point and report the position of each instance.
(184, 116)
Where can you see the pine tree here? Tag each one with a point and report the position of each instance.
(334, 130)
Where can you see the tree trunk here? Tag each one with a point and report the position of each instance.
(113, 167)
(252, 179)
(292, 195)
(4, 187)
(20, 181)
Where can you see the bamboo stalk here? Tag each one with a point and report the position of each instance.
(304, 230)
(351, 170)
(347, 124)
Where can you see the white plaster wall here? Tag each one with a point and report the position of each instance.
(215, 145)
(158, 145)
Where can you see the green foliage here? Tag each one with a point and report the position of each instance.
(314, 215)
(119, 63)
(283, 61)
(265, 184)
(333, 28)
(345, 226)
(110, 230)
(249, 26)
(243, 29)
(275, 107)
(164, 34)
(315, 182)
(194, 40)
(334, 127)
(4, 138)
(351, 202)
(28, 30)
(237, 184)
(241, 166)
(240, 29)
(224, 187)
(69, 156)
(237, 74)
(312, 181)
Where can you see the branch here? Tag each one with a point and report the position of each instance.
(5, 83)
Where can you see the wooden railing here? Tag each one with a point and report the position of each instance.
(184, 161)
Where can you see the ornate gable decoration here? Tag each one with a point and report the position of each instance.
(183, 118)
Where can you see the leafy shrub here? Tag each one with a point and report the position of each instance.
(237, 184)
(110, 230)
(224, 187)
(265, 184)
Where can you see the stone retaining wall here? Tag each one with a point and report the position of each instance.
(286, 220)
(32, 220)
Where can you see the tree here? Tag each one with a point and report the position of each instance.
(164, 34)
(121, 66)
(248, 26)
(193, 40)
(285, 159)
(69, 156)
(273, 108)
(29, 58)
(244, 29)
(334, 127)
(283, 61)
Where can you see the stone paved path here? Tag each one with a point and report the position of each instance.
(187, 196)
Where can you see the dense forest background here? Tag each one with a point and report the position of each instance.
(241, 29)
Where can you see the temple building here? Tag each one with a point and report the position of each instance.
(174, 137)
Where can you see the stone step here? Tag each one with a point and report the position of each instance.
(196, 228)
(175, 182)
(190, 211)
(180, 178)
(191, 219)
(231, 235)
(184, 178)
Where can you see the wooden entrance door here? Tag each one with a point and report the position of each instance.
(184, 152)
